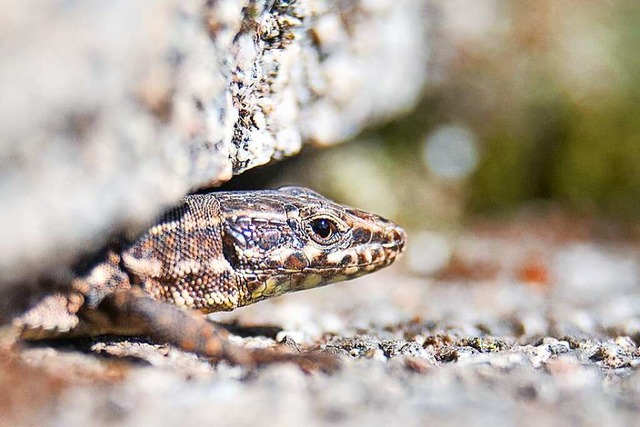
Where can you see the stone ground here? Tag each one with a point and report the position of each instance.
(532, 322)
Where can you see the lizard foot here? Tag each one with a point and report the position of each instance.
(191, 331)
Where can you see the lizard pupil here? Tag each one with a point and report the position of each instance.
(323, 227)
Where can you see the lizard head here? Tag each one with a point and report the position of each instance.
(294, 239)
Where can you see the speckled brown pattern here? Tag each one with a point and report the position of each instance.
(216, 252)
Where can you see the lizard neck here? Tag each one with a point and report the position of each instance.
(180, 260)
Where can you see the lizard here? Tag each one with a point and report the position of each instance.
(214, 252)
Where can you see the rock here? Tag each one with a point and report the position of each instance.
(113, 111)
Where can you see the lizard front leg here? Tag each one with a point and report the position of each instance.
(132, 310)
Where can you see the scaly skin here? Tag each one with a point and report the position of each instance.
(216, 252)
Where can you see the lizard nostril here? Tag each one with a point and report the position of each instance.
(397, 236)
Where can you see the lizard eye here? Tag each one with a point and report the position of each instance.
(323, 230)
(323, 227)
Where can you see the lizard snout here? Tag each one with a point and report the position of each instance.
(395, 237)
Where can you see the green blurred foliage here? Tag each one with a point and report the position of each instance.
(599, 165)
(551, 90)
(557, 136)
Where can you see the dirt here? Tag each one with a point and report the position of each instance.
(516, 326)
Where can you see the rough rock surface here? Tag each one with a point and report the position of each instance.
(113, 110)
(516, 329)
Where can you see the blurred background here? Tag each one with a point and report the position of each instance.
(529, 109)
(515, 174)
(518, 166)
(528, 104)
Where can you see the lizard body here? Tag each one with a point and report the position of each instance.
(215, 252)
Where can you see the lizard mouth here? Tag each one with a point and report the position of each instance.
(339, 270)
(347, 264)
